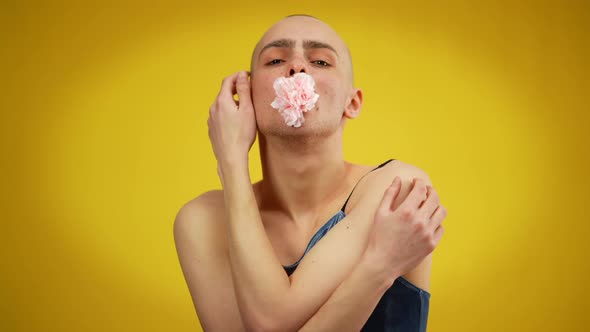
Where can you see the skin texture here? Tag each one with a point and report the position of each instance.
(231, 242)
(339, 100)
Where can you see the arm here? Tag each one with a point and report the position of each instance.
(266, 297)
(201, 245)
(350, 306)
(201, 241)
(293, 302)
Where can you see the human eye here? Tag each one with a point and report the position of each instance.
(321, 63)
(274, 62)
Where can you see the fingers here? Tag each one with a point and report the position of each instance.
(439, 215)
(431, 203)
(390, 195)
(416, 195)
(227, 87)
(235, 83)
(243, 89)
(438, 233)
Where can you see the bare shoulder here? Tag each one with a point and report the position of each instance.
(201, 244)
(370, 193)
(407, 172)
(199, 229)
(370, 188)
(207, 204)
(198, 220)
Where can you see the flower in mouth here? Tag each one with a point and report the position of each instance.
(294, 95)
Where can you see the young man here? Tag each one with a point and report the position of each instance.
(285, 253)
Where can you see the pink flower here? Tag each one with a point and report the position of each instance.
(294, 95)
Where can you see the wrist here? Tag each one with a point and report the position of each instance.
(378, 270)
(232, 169)
(232, 163)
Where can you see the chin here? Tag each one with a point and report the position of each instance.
(309, 129)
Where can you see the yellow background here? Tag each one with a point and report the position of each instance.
(103, 138)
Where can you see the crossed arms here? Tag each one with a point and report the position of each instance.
(237, 282)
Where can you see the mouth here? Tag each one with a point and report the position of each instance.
(294, 96)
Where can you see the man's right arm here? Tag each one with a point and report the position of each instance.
(202, 252)
(207, 273)
(355, 299)
(201, 240)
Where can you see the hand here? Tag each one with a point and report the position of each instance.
(232, 125)
(402, 237)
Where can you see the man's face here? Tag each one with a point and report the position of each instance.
(302, 44)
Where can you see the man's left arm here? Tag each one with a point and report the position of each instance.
(265, 295)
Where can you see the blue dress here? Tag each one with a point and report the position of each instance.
(402, 308)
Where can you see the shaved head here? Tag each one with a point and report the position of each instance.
(296, 44)
(293, 23)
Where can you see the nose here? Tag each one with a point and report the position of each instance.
(293, 71)
(297, 65)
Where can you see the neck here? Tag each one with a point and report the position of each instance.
(301, 174)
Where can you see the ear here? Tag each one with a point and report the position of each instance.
(352, 109)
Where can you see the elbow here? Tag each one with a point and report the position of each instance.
(263, 322)
(262, 326)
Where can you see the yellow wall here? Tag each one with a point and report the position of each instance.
(104, 138)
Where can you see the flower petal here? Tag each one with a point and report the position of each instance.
(294, 95)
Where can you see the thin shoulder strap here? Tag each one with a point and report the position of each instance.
(383, 164)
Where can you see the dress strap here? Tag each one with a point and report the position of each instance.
(383, 164)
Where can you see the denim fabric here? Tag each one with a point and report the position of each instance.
(316, 237)
(403, 307)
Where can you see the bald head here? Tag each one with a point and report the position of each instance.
(310, 33)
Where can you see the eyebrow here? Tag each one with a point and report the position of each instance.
(290, 43)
